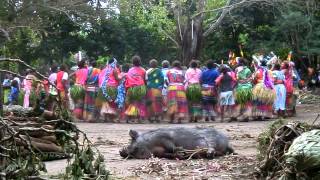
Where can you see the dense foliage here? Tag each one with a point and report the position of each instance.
(43, 32)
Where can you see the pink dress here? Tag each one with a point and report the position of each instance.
(109, 107)
(81, 78)
(111, 79)
(136, 77)
(27, 87)
(192, 76)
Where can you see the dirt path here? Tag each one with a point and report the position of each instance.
(110, 138)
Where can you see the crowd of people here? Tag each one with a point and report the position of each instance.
(130, 93)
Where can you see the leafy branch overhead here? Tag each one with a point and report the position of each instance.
(46, 32)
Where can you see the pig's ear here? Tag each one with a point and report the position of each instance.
(133, 134)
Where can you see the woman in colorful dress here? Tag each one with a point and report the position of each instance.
(28, 87)
(263, 92)
(165, 68)
(136, 91)
(78, 89)
(192, 78)
(226, 82)
(63, 85)
(177, 99)
(208, 91)
(121, 93)
(14, 93)
(155, 82)
(89, 112)
(243, 90)
(287, 68)
(280, 101)
(108, 83)
(53, 93)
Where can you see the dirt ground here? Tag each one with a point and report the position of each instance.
(110, 138)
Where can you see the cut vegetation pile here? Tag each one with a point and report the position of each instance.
(289, 151)
(29, 136)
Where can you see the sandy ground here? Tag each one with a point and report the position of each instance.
(243, 136)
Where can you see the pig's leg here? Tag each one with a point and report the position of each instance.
(171, 150)
(166, 149)
(210, 153)
(169, 146)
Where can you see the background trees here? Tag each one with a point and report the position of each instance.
(44, 32)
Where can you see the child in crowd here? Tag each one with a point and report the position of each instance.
(14, 93)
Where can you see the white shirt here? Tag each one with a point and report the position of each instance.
(65, 76)
(52, 78)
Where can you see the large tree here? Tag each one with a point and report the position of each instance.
(193, 20)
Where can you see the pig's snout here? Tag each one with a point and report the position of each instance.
(124, 152)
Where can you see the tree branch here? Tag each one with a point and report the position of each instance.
(25, 64)
(213, 26)
(227, 8)
(10, 72)
(169, 36)
(5, 33)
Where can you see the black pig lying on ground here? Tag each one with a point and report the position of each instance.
(172, 142)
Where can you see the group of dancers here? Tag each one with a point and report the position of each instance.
(129, 93)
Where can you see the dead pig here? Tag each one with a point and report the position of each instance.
(167, 142)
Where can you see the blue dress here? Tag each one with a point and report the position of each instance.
(13, 96)
(280, 102)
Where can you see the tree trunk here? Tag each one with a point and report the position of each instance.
(191, 33)
(191, 43)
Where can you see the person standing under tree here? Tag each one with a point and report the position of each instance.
(193, 88)
(6, 87)
(62, 84)
(165, 68)
(14, 93)
(287, 69)
(263, 92)
(136, 91)
(155, 81)
(91, 89)
(243, 90)
(108, 83)
(226, 82)
(78, 89)
(208, 91)
(177, 99)
(52, 95)
(28, 88)
(280, 102)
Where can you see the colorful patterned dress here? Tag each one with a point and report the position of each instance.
(290, 97)
(244, 91)
(177, 99)
(29, 91)
(165, 89)
(78, 92)
(209, 92)
(90, 113)
(109, 82)
(263, 94)
(155, 81)
(136, 92)
(193, 88)
(62, 76)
